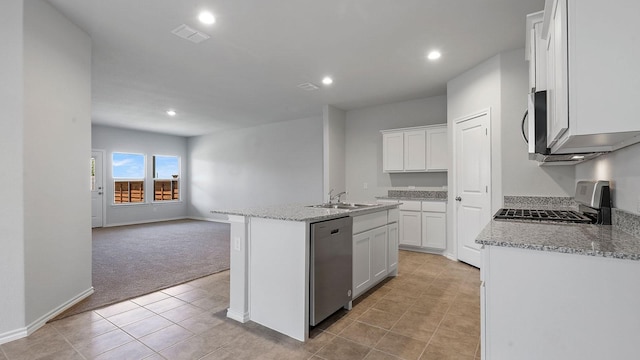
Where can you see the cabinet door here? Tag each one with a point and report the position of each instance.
(393, 152)
(437, 155)
(379, 250)
(410, 228)
(557, 74)
(434, 230)
(392, 235)
(361, 262)
(414, 150)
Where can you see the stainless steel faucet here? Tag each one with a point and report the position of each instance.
(336, 196)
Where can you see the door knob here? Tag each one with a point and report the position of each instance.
(99, 192)
(458, 198)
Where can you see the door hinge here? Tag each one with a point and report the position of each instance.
(486, 189)
(486, 132)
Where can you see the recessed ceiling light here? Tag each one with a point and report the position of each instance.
(434, 55)
(577, 157)
(327, 80)
(206, 18)
(171, 112)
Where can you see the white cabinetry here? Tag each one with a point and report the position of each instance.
(592, 88)
(414, 150)
(434, 227)
(548, 305)
(418, 149)
(410, 223)
(536, 52)
(374, 254)
(422, 224)
(393, 151)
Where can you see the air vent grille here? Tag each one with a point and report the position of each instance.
(190, 34)
(308, 86)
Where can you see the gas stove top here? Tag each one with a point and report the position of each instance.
(543, 215)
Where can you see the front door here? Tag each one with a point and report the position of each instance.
(473, 183)
(97, 188)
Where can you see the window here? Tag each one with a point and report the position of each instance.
(166, 178)
(128, 175)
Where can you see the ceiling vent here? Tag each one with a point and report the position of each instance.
(190, 34)
(308, 86)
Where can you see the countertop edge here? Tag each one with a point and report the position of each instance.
(264, 213)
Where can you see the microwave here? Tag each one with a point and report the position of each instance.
(537, 131)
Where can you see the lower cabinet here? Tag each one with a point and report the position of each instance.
(434, 230)
(422, 224)
(410, 233)
(375, 254)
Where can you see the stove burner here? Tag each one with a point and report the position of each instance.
(542, 215)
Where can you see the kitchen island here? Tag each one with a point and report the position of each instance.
(559, 291)
(270, 260)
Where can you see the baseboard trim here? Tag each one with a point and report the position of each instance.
(13, 335)
(421, 250)
(240, 317)
(31, 328)
(146, 221)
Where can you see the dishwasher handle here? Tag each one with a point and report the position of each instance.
(335, 231)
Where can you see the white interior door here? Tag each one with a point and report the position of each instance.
(97, 188)
(473, 184)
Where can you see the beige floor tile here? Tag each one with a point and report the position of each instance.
(437, 353)
(286, 353)
(418, 326)
(428, 305)
(192, 348)
(336, 322)
(464, 305)
(250, 346)
(150, 298)
(362, 333)
(447, 342)
(65, 354)
(381, 319)
(52, 347)
(220, 354)
(78, 331)
(77, 320)
(102, 343)
(391, 306)
(182, 312)
(147, 326)
(131, 316)
(222, 334)
(45, 335)
(155, 356)
(166, 337)
(117, 308)
(130, 351)
(165, 305)
(401, 346)
(343, 349)
(179, 289)
(193, 295)
(214, 302)
(379, 355)
(201, 322)
(461, 324)
(2, 357)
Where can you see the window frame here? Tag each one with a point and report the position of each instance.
(129, 181)
(175, 190)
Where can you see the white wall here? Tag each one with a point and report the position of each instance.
(112, 140)
(265, 165)
(12, 306)
(364, 146)
(333, 122)
(622, 168)
(522, 176)
(57, 133)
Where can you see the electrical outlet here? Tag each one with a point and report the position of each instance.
(237, 243)
(365, 186)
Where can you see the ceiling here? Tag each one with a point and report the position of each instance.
(247, 73)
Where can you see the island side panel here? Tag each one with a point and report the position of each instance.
(549, 305)
(239, 273)
(279, 275)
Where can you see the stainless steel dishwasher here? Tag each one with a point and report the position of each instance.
(331, 270)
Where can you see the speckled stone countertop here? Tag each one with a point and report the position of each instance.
(583, 239)
(414, 195)
(297, 212)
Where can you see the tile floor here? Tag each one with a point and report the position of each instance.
(430, 311)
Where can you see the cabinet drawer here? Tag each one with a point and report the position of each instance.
(434, 206)
(369, 221)
(410, 205)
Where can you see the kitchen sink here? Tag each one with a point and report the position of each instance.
(344, 206)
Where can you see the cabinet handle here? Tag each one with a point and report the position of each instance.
(458, 198)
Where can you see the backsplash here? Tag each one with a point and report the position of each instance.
(626, 221)
(417, 194)
(539, 202)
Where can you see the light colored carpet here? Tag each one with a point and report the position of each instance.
(130, 261)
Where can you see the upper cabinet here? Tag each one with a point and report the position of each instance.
(591, 81)
(418, 149)
(536, 52)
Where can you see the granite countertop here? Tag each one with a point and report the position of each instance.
(297, 212)
(583, 239)
(400, 198)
